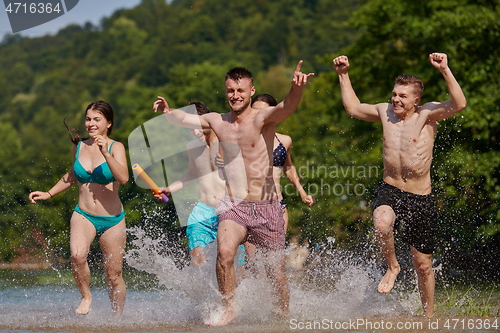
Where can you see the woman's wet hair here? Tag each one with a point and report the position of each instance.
(201, 108)
(266, 98)
(104, 108)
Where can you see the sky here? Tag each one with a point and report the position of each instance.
(84, 11)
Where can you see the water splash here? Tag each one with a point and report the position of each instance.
(169, 295)
(333, 283)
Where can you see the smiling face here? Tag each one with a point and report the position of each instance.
(96, 123)
(239, 93)
(404, 99)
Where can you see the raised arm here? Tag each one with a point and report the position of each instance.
(62, 185)
(117, 159)
(457, 102)
(292, 99)
(352, 105)
(179, 117)
(293, 177)
(185, 180)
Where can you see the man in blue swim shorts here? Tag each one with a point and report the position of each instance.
(201, 226)
(203, 222)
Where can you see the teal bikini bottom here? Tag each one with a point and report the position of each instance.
(101, 223)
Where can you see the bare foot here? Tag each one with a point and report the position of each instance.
(387, 282)
(283, 315)
(428, 314)
(84, 307)
(228, 316)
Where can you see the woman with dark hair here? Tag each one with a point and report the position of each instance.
(282, 161)
(100, 166)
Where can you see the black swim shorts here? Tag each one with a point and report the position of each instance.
(416, 215)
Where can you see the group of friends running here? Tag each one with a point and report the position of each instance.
(237, 159)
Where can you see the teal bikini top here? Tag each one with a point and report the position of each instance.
(100, 175)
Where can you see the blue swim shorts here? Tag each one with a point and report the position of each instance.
(202, 230)
(202, 226)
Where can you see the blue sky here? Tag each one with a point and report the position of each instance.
(84, 11)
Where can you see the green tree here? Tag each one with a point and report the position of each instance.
(395, 37)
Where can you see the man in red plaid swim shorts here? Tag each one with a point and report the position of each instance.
(251, 210)
(262, 219)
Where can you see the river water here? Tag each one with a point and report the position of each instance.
(336, 291)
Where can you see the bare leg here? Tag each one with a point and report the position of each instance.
(251, 250)
(285, 217)
(383, 219)
(198, 257)
(112, 246)
(426, 282)
(276, 271)
(82, 233)
(229, 237)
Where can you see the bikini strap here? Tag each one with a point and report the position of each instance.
(78, 150)
(276, 136)
(111, 145)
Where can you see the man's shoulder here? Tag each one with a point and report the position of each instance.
(426, 109)
(429, 106)
(384, 106)
(251, 112)
(385, 111)
(213, 116)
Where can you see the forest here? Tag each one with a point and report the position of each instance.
(182, 50)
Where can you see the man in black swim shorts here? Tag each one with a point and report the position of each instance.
(415, 215)
(404, 202)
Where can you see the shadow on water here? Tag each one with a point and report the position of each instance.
(329, 287)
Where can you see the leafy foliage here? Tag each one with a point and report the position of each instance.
(181, 50)
(395, 38)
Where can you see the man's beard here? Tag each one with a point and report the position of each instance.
(240, 108)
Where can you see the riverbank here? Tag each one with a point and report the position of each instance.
(25, 265)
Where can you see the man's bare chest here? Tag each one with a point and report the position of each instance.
(409, 138)
(242, 134)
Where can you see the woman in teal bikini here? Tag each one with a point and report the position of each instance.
(99, 211)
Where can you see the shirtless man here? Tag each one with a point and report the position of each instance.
(250, 211)
(282, 162)
(203, 221)
(404, 200)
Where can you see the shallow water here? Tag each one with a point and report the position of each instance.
(335, 292)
